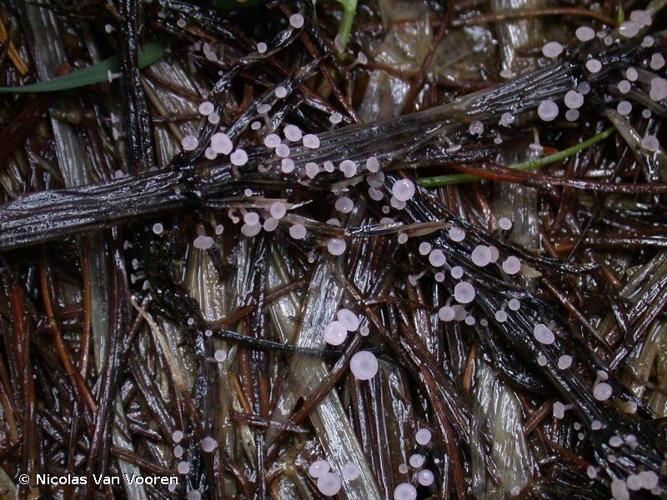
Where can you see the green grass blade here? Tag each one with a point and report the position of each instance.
(446, 180)
(349, 13)
(97, 73)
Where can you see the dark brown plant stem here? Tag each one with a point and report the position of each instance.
(576, 313)
(444, 427)
(86, 298)
(335, 374)
(531, 13)
(418, 80)
(139, 135)
(97, 460)
(83, 392)
(538, 416)
(29, 443)
(313, 51)
(264, 423)
(502, 174)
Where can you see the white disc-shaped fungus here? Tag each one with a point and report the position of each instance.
(297, 231)
(335, 333)
(189, 143)
(318, 468)
(547, 110)
(552, 49)
(481, 256)
(456, 234)
(239, 157)
(329, 484)
(416, 460)
(511, 265)
(584, 33)
(221, 143)
(364, 365)
(311, 141)
(437, 258)
(344, 204)
(336, 246)
(543, 334)
(593, 65)
(296, 21)
(403, 190)
(351, 471)
(292, 133)
(203, 242)
(278, 209)
(464, 292)
(564, 362)
(423, 436)
(206, 108)
(272, 141)
(505, 224)
(446, 313)
(349, 320)
(208, 444)
(405, 491)
(573, 99)
(602, 391)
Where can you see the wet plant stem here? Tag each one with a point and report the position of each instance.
(446, 180)
(349, 12)
(96, 73)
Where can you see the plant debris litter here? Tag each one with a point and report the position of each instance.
(298, 249)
